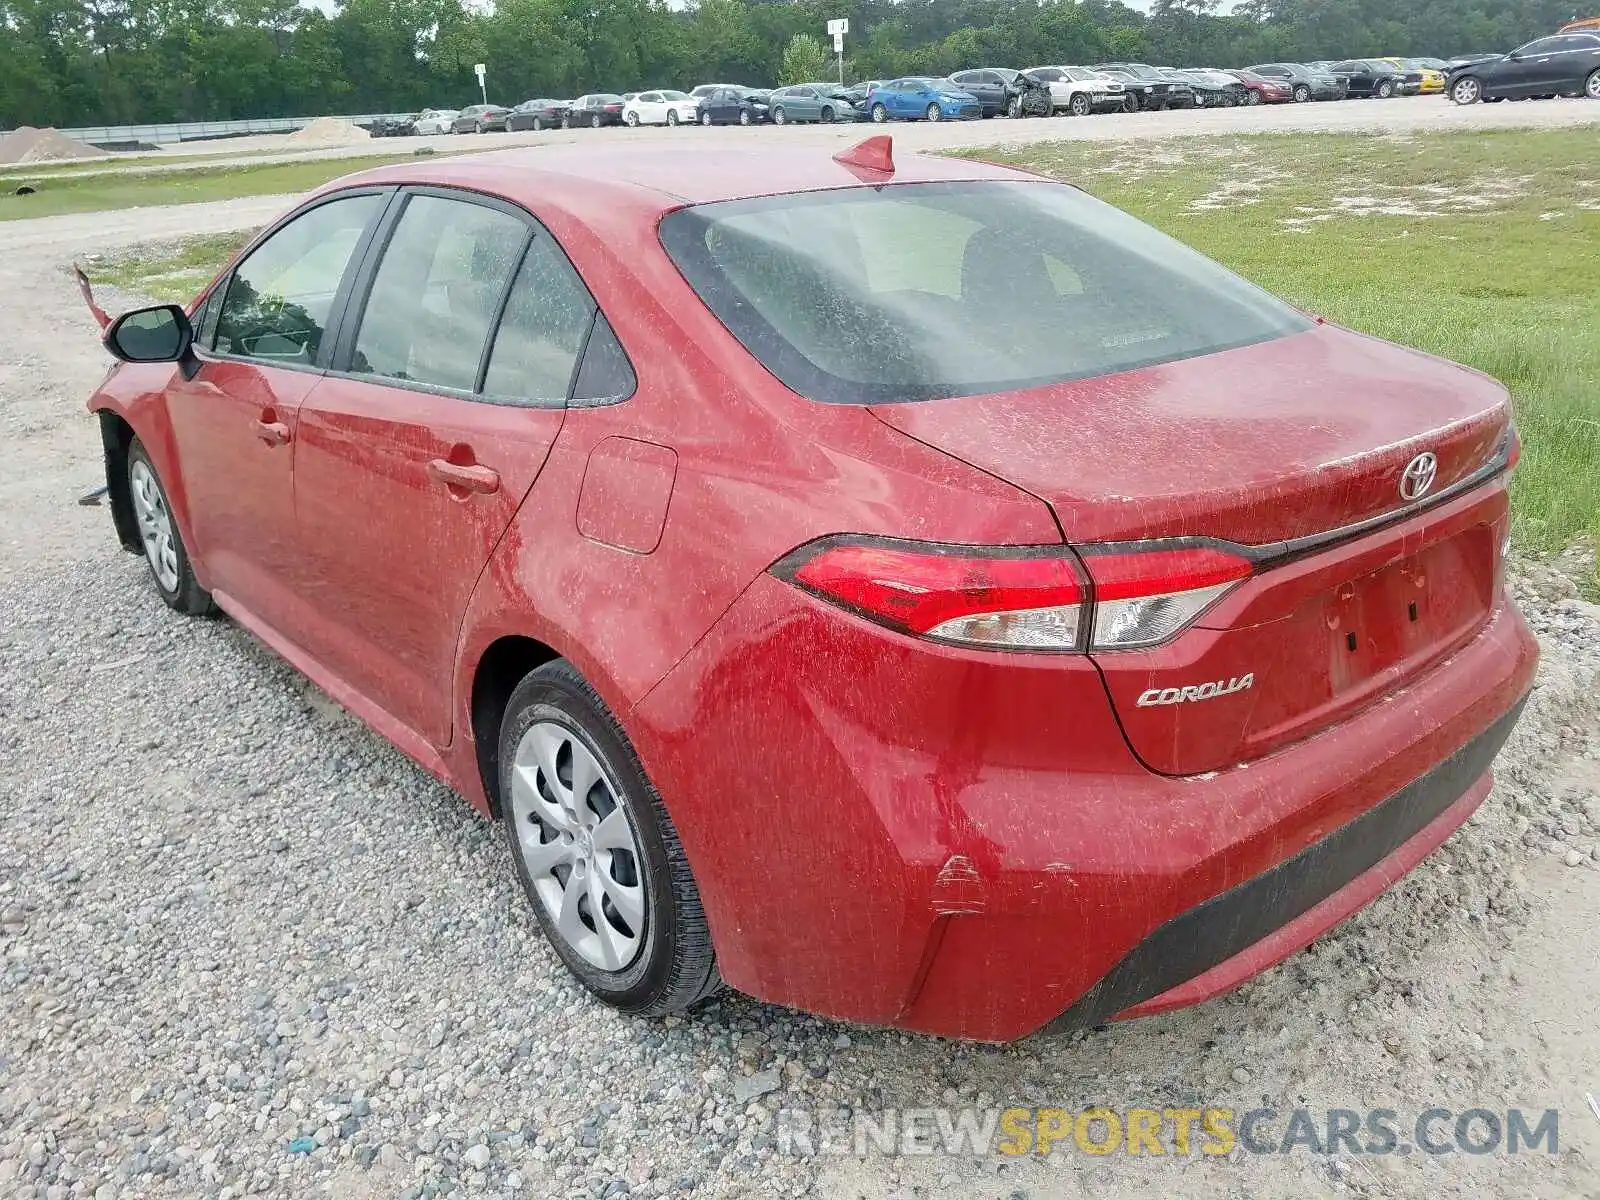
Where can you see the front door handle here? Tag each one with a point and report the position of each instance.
(273, 433)
(473, 478)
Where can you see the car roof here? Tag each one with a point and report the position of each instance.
(584, 177)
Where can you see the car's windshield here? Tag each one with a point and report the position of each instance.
(917, 291)
(670, 95)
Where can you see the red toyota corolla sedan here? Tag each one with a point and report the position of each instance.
(918, 593)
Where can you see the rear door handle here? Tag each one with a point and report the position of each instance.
(273, 433)
(474, 478)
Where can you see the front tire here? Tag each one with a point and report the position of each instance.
(779, 117)
(1014, 108)
(672, 117)
(826, 115)
(1591, 85)
(1131, 102)
(164, 551)
(596, 851)
(1301, 93)
(1466, 91)
(1385, 90)
(1252, 98)
(1081, 105)
(705, 119)
(744, 116)
(880, 114)
(933, 112)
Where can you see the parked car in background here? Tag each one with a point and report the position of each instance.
(921, 98)
(1002, 91)
(381, 127)
(1415, 78)
(731, 105)
(857, 92)
(701, 91)
(749, 612)
(1567, 64)
(1080, 90)
(480, 118)
(537, 114)
(1144, 87)
(1212, 89)
(664, 107)
(1304, 83)
(1261, 90)
(811, 102)
(435, 120)
(1373, 78)
(594, 110)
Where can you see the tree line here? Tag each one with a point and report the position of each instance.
(93, 62)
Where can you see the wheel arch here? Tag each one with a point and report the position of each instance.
(116, 435)
(504, 663)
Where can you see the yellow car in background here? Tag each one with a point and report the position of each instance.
(1416, 77)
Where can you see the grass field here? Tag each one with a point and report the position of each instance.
(1483, 248)
(102, 190)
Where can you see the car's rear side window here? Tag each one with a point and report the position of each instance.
(546, 320)
(437, 291)
(917, 291)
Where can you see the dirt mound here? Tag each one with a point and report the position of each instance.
(328, 131)
(29, 145)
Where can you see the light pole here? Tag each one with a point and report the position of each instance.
(483, 91)
(838, 28)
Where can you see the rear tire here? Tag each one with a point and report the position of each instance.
(538, 125)
(164, 552)
(635, 934)
(632, 119)
(1591, 85)
(596, 121)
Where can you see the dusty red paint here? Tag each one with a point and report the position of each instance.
(883, 829)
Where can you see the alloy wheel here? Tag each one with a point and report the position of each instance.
(155, 525)
(1466, 91)
(595, 121)
(826, 116)
(744, 116)
(705, 118)
(1252, 97)
(933, 113)
(672, 117)
(633, 120)
(1080, 105)
(1302, 94)
(1591, 86)
(579, 846)
(880, 114)
(779, 117)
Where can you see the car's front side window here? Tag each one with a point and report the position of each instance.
(436, 292)
(281, 295)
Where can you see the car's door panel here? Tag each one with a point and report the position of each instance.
(236, 419)
(406, 479)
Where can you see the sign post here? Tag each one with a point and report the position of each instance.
(479, 69)
(838, 28)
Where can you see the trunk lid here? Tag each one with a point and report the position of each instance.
(1289, 439)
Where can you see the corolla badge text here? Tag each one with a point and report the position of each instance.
(1205, 691)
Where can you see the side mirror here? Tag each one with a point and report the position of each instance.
(149, 335)
(1515, 56)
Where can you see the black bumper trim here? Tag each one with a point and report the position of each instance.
(1191, 943)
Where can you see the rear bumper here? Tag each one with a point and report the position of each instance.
(962, 843)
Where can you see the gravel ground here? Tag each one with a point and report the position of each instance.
(232, 919)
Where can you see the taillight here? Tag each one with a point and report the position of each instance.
(1144, 596)
(1019, 598)
(972, 596)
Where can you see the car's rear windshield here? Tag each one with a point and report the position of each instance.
(919, 291)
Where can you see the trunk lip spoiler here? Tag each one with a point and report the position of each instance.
(1268, 554)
